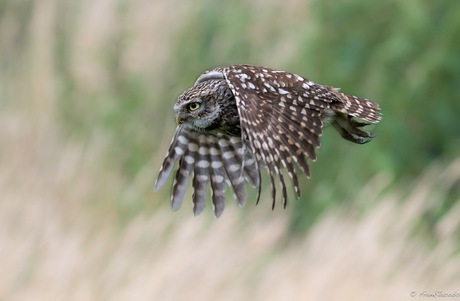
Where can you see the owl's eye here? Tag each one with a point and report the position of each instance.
(193, 106)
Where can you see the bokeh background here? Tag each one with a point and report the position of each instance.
(86, 94)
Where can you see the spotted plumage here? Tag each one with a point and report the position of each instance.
(239, 118)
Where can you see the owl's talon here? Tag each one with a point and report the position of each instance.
(350, 130)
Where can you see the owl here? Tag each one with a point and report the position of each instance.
(236, 120)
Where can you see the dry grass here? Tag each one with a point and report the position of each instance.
(60, 237)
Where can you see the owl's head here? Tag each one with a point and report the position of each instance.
(200, 107)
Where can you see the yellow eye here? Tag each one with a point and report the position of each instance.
(193, 106)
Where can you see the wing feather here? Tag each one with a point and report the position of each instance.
(218, 176)
(214, 160)
(181, 181)
(176, 149)
(277, 110)
(232, 167)
(202, 169)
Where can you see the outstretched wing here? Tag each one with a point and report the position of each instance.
(216, 159)
(281, 114)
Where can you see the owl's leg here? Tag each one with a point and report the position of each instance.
(350, 130)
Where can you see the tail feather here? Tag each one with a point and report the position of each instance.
(362, 108)
(348, 106)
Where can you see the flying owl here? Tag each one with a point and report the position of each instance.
(237, 119)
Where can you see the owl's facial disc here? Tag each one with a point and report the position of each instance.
(197, 114)
(188, 110)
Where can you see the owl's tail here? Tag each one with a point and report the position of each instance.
(351, 106)
(362, 108)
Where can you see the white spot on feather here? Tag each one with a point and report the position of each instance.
(182, 139)
(179, 151)
(218, 179)
(189, 159)
(282, 91)
(203, 150)
(233, 167)
(202, 178)
(203, 164)
(193, 147)
(216, 164)
(228, 155)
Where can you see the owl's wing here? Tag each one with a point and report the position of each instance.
(216, 159)
(281, 114)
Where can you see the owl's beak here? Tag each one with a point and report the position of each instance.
(179, 121)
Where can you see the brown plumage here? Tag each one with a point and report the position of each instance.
(238, 118)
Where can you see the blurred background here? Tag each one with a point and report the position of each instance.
(86, 95)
